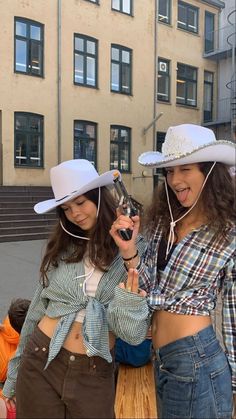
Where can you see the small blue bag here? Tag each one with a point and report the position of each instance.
(135, 355)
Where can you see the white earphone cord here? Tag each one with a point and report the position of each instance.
(173, 222)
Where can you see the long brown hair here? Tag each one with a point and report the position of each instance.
(218, 198)
(101, 246)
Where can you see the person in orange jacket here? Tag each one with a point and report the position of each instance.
(9, 334)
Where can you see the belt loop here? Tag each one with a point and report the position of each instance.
(157, 355)
(199, 345)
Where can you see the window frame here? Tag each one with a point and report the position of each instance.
(28, 134)
(121, 8)
(206, 50)
(85, 55)
(188, 7)
(121, 64)
(93, 140)
(29, 43)
(168, 16)
(211, 85)
(188, 82)
(167, 76)
(119, 143)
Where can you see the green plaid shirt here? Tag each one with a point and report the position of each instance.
(63, 298)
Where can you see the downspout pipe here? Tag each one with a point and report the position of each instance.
(59, 6)
(155, 75)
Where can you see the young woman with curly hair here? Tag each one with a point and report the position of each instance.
(189, 259)
(64, 365)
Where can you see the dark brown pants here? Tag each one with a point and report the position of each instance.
(73, 386)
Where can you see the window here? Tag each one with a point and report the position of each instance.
(163, 81)
(186, 85)
(160, 138)
(28, 140)
(158, 173)
(85, 61)
(121, 69)
(208, 96)
(164, 11)
(209, 32)
(28, 47)
(187, 17)
(120, 148)
(124, 6)
(85, 141)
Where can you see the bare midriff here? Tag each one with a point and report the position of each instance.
(74, 339)
(169, 327)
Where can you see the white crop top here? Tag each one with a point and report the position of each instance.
(92, 278)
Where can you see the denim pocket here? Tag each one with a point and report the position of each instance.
(222, 390)
(179, 367)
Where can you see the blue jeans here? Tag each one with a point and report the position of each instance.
(193, 378)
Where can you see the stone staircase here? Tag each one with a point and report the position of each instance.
(18, 221)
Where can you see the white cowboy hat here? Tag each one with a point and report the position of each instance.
(73, 178)
(187, 144)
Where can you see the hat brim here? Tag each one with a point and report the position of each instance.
(220, 151)
(103, 180)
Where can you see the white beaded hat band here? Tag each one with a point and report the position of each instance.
(188, 144)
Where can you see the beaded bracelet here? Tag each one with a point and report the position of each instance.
(133, 257)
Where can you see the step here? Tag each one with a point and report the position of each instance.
(23, 215)
(17, 204)
(26, 188)
(23, 237)
(48, 194)
(22, 210)
(25, 229)
(18, 220)
(23, 198)
(27, 222)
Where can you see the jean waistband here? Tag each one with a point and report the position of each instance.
(65, 355)
(197, 342)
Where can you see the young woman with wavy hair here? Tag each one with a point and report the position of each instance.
(64, 365)
(219, 193)
(189, 259)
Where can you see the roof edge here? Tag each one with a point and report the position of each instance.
(217, 3)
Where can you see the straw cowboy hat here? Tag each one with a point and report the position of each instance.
(71, 179)
(187, 144)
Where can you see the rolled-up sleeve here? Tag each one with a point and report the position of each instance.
(128, 316)
(229, 317)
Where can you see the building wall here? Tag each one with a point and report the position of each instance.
(60, 101)
(181, 46)
(19, 92)
(25, 93)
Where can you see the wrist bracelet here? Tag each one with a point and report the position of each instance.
(127, 259)
(129, 263)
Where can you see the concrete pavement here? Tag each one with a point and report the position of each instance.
(19, 270)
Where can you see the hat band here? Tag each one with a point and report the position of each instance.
(176, 155)
(66, 196)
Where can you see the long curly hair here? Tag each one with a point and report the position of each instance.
(217, 197)
(101, 247)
